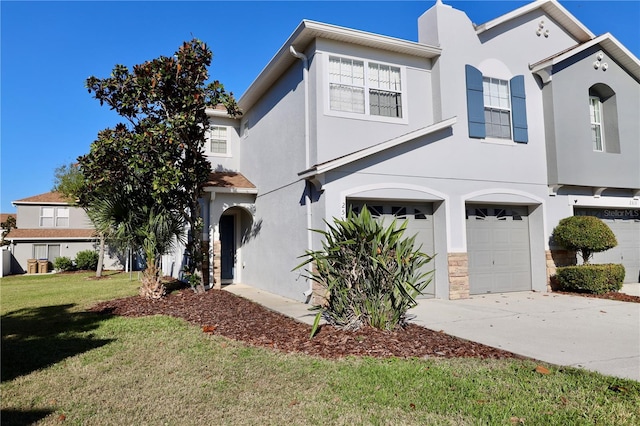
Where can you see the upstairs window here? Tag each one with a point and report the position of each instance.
(46, 217)
(367, 88)
(497, 108)
(603, 118)
(54, 217)
(218, 140)
(595, 112)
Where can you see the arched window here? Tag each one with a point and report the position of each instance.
(603, 113)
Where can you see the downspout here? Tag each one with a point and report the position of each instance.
(307, 160)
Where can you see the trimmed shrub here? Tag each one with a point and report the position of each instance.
(371, 273)
(596, 279)
(584, 234)
(87, 260)
(63, 263)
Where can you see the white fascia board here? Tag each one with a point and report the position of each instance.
(306, 32)
(363, 153)
(41, 203)
(609, 43)
(552, 8)
(218, 113)
(227, 190)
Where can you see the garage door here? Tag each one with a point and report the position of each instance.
(420, 223)
(498, 249)
(625, 224)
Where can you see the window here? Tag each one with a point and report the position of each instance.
(356, 86)
(62, 217)
(218, 140)
(46, 251)
(595, 112)
(53, 217)
(46, 217)
(603, 118)
(497, 108)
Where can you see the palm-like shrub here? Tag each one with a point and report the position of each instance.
(371, 273)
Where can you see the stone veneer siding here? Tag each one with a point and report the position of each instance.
(217, 277)
(458, 275)
(555, 259)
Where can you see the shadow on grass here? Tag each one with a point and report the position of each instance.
(33, 338)
(22, 417)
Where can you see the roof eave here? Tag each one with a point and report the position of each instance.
(306, 32)
(608, 42)
(358, 155)
(552, 8)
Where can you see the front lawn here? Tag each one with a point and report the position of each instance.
(61, 364)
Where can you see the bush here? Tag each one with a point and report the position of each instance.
(87, 260)
(63, 263)
(584, 234)
(596, 279)
(370, 272)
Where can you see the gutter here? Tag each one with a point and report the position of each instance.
(307, 160)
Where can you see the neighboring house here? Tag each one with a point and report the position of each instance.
(49, 227)
(482, 136)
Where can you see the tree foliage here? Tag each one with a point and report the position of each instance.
(6, 227)
(155, 157)
(372, 273)
(584, 234)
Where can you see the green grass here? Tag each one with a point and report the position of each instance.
(60, 363)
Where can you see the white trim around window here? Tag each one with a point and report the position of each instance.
(365, 90)
(218, 141)
(54, 217)
(597, 129)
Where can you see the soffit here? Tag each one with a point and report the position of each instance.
(608, 42)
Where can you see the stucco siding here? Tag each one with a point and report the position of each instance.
(577, 162)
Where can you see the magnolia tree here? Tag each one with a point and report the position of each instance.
(150, 170)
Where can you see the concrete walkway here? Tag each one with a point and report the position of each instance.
(594, 334)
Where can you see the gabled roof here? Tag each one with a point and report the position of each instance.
(366, 152)
(607, 41)
(306, 32)
(46, 198)
(553, 9)
(51, 234)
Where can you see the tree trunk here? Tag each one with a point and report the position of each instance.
(100, 256)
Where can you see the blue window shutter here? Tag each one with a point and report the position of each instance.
(475, 102)
(519, 110)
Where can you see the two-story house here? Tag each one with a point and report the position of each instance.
(482, 136)
(49, 227)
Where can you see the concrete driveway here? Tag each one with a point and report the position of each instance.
(594, 334)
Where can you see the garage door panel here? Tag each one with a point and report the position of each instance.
(626, 226)
(419, 223)
(498, 249)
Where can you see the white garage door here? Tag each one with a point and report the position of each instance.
(498, 249)
(420, 223)
(625, 224)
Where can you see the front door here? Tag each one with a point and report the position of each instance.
(227, 247)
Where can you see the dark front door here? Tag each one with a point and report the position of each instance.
(227, 247)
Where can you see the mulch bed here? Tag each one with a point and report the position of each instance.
(225, 314)
(612, 295)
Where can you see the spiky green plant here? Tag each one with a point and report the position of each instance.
(371, 272)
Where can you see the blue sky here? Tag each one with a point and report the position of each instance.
(49, 48)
